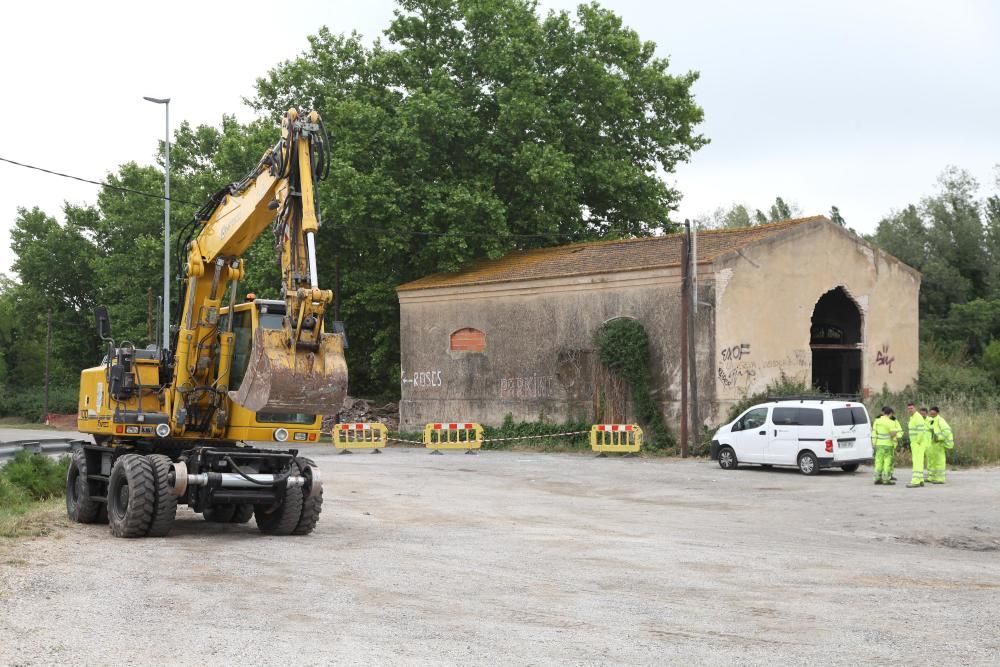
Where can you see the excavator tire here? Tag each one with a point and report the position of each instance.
(79, 506)
(243, 513)
(285, 518)
(219, 513)
(311, 508)
(131, 496)
(165, 504)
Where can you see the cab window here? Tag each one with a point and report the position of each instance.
(751, 419)
(243, 335)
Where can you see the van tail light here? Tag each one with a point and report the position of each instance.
(829, 446)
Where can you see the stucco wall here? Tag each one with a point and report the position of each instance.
(539, 355)
(765, 298)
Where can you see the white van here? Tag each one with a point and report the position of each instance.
(810, 433)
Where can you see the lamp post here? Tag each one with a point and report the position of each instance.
(166, 223)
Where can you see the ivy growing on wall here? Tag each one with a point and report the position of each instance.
(623, 347)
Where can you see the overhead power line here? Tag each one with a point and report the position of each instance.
(366, 228)
(101, 183)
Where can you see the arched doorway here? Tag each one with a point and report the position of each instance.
(835, 339)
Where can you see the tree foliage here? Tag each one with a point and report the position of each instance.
(479, 128)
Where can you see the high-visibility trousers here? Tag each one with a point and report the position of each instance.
(936, 462)
(918, 449)
(883, 462)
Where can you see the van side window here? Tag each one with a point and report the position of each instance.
(797, 417)
(751, 419)
(849, 416)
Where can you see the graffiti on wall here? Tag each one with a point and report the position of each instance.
(882, 358)
(532, 386)
(422, 379)
(738, 369)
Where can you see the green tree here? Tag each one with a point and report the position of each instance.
(779, 210)
(57, 282)
(835, 216)
(479, 129)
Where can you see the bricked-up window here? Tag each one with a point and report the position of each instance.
(468, 340)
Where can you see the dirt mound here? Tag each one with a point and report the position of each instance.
(361, 410)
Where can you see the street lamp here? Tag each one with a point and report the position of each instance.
(166, 225)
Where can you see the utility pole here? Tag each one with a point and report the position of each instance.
(684, 346)
(165, 101)
(48, 353)
(692, 328)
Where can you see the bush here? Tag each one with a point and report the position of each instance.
(29, 403)
(623, 347)
(512, 429)
(951, 374)
(37, 476)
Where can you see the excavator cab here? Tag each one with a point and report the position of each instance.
(269, 377)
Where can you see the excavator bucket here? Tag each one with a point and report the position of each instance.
(280, 380)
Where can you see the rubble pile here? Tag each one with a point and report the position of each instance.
(361, 410)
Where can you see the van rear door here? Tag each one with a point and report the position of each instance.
(852, 434)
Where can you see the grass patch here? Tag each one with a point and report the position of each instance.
(31, 492)
(18, 422)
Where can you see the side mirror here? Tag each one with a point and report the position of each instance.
(103, 322)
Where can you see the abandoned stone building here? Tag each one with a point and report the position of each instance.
(804, 298)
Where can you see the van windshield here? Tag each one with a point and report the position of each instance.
(850, 416)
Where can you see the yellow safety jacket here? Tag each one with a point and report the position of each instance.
(941, 432)
(918, 430)
(884, 430)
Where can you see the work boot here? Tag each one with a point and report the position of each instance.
(911, 485)
(889, 482)
(892, 478)
(878, 481)
(936, 481)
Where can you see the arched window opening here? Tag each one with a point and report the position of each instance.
(468, 340)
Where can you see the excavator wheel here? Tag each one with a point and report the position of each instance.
(131, 496)
(284, 519)
(312, 505)
(79, 507)
(165, 504)
(242, 514)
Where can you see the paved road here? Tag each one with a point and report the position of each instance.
(12, 434)
(516, 558)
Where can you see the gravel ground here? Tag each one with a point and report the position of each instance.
(518, 558)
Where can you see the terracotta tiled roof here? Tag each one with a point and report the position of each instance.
(603, 256)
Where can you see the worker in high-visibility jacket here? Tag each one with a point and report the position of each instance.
(884, 430)
(919, 439)
(925, 413)
(942, 439)
(895, 445)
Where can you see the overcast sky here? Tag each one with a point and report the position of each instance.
(857, 103)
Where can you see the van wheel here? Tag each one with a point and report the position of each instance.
(850, 467)
(727, 459)
(808, 464)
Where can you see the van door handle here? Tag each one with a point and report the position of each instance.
(775, 433)
(762, 433)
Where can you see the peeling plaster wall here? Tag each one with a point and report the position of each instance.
(764, 311)
(539, 356)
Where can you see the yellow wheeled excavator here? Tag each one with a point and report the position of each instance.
(170, 422)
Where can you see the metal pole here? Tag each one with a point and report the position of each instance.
(48, 353)
(166, 236)
(684, 346)
(692, 328)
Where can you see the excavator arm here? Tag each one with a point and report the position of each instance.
(297, 368)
